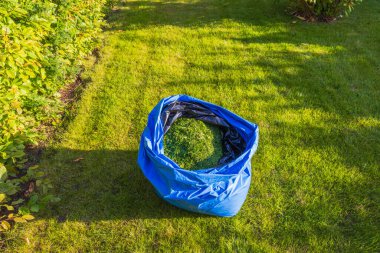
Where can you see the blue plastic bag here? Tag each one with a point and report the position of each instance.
(219, 191)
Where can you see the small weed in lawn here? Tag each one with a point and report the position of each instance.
(193, 144)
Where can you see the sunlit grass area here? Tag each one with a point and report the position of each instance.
(313, 89)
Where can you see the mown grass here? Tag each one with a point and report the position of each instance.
(193, 144)
(312, 88)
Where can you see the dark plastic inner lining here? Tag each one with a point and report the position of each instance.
(233, 143)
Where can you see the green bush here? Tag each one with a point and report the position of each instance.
(42, 46)
(321, 10)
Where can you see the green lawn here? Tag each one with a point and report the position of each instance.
(314, 90)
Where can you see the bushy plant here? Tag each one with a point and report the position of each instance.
(321, 10)
(42, 46)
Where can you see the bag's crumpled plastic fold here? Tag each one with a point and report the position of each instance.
(219, 191)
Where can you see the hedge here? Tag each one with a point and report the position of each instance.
(42, 46)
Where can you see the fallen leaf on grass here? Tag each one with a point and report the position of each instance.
(78, 159)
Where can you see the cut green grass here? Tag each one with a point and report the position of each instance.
(313, 89)
(193, 144)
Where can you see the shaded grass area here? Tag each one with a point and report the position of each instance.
(313, 89)
(193, 144)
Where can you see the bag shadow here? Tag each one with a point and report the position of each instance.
(102, 185)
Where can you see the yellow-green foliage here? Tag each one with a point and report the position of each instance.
(42, 44)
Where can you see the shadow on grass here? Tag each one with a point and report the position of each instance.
(103, 185)
(141, 14)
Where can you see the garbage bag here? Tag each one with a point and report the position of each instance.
(220, 190)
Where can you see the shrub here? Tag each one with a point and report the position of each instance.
(321, 10)
(42, 46)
